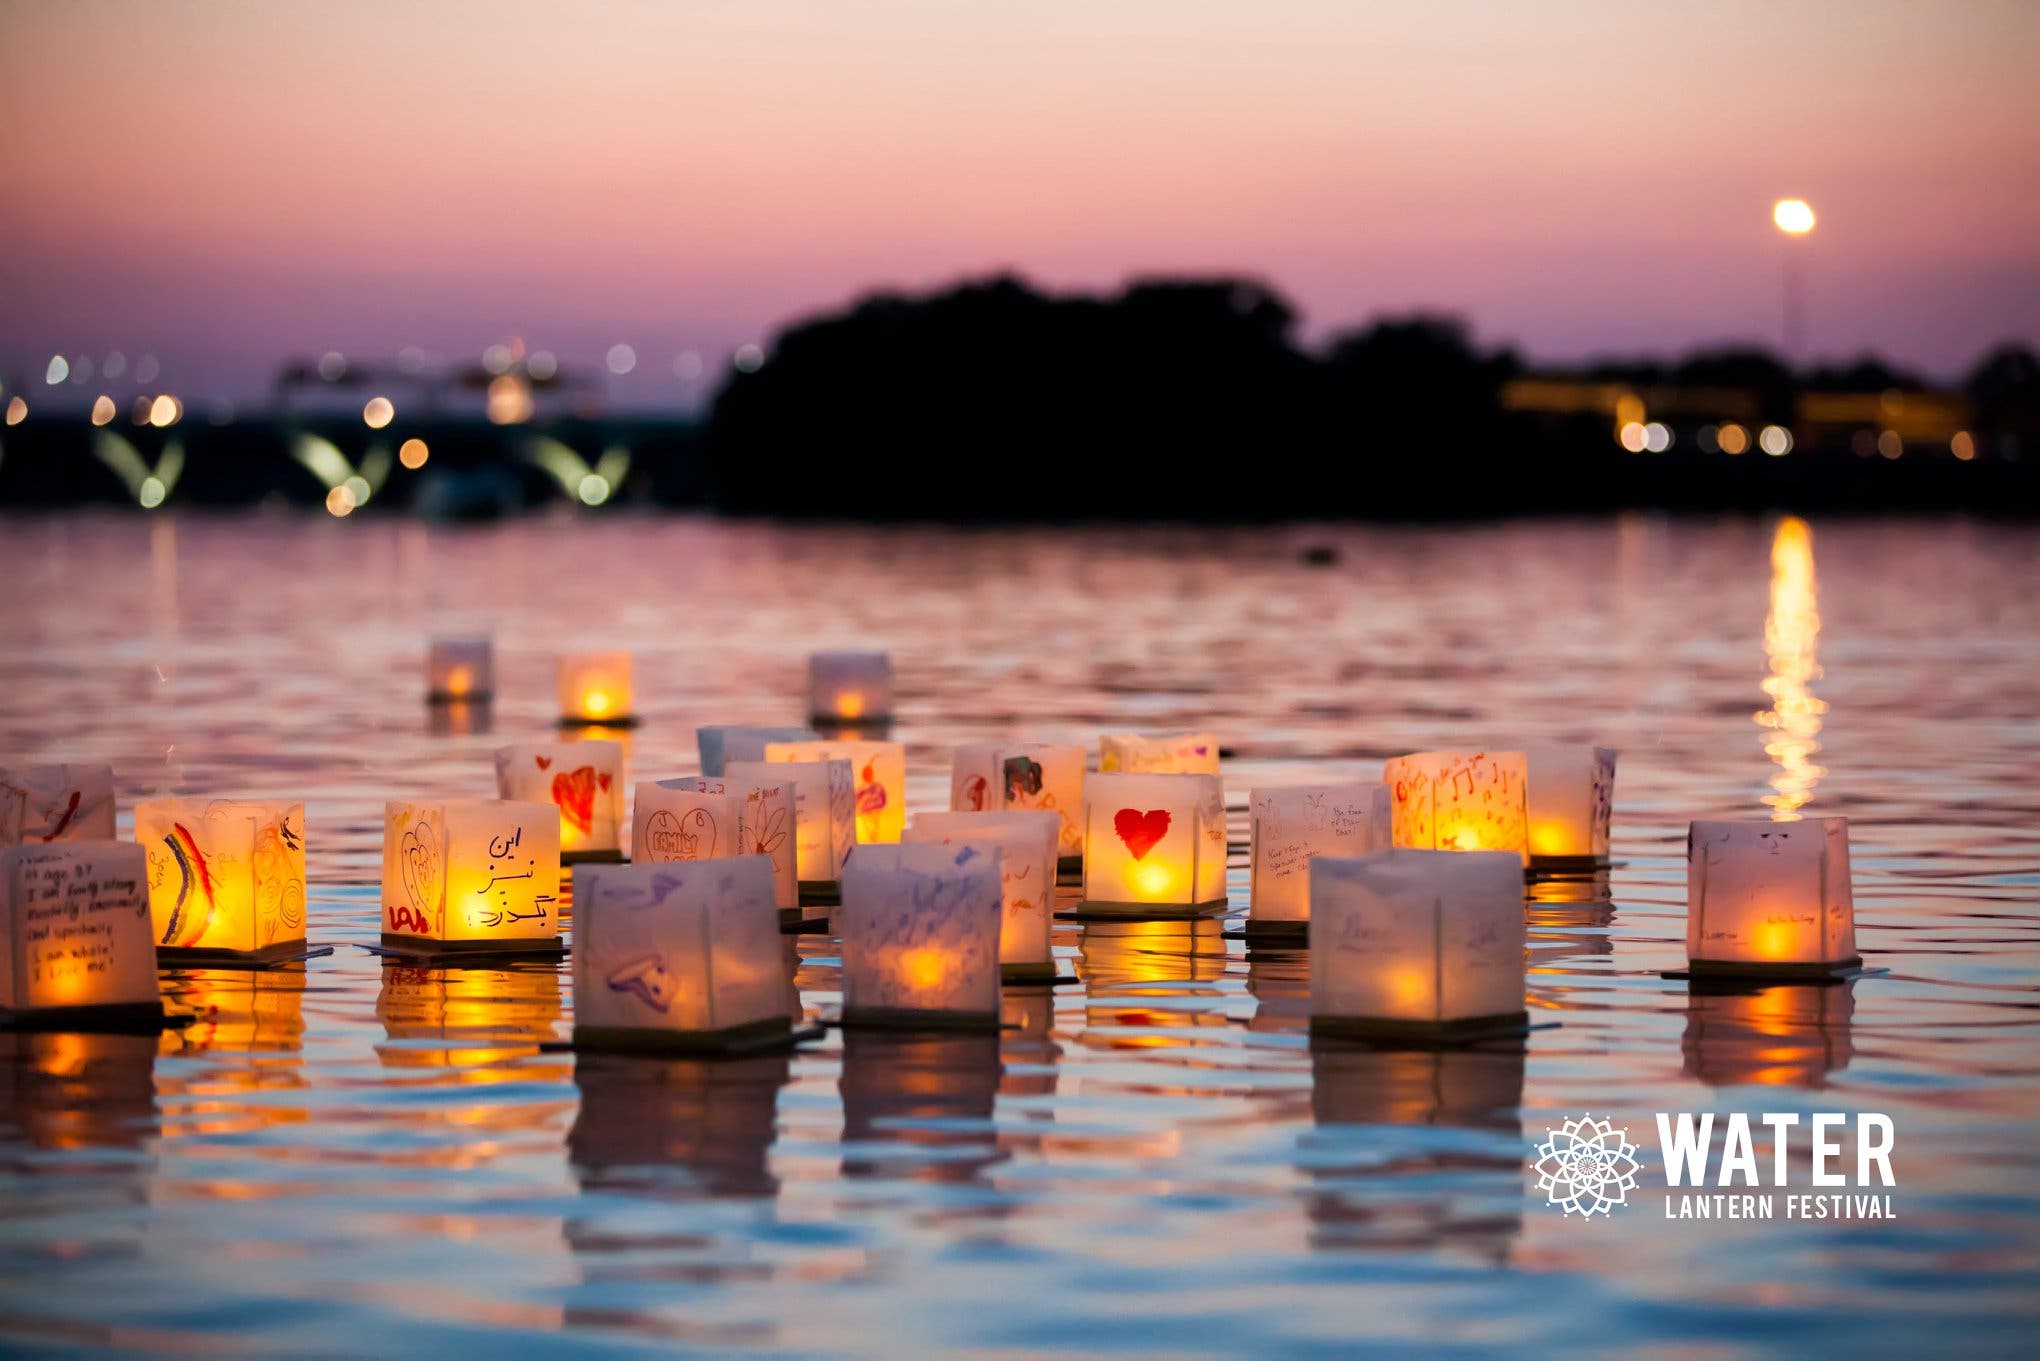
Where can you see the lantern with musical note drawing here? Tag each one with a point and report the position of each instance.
(44, 803)
(471, 876)
(920, 928)
(1570, 794)
(1154, 845)
(1013, 776)
(1417, 944)
(1459, 801)
(583, 779)
(880, 773)
(75, 942)
(595, 688)
(1288, 828)
(1177, 753)
(722, 743)
(824, 815)
(850, 687)
(1025, 843)
(226, 878)
(1770, 899)
(459, 669)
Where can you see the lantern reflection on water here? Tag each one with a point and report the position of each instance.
(583, 779)
(1569, 796)
(1180, 753)
(1025, 844)
(1417, 943)
(46, 803)
(74, 934)
(226, 879)
(920, 929)
(460, 669)
(65, 1090)
(1154, 845)
(714, 1119)
(482, 1020)
(1770, 899)
(1288, 828)
(919, 1106)
(1014, 776)
(1460, 801)
(594, 687)
(1775, 1035)
(879, 775)
(850, 687)
(471, 875)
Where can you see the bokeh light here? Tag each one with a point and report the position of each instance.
(378, 412)
(412, 453)
(1794, 216)
(1775, 440)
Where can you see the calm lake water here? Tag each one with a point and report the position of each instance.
(346, 1158)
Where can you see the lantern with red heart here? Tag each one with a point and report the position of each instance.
(1154, 845)
(583, 779)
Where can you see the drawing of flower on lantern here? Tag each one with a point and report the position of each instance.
(823, 811)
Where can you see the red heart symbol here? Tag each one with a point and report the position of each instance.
(1140, 831)
(543, 761)
(575, 794)
(603, 780)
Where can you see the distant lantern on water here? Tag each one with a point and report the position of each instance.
(1154, 845)
(583, 779)
(678, 957)
(226, 877)
(1570, 794)
(1417, 944)
(920, 927)
(1288, 828)
(850, 687)
(824, 816)
(45, 803)
(1770, 899)
(1182, 753)
(1460, 801)
(992, 777)
(722, 743)
(879, 773)
(75, 939)
(1025, 844)
(471, 876)
(595, 688)
(460, 669)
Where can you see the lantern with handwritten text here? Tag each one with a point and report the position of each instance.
(726, 742)
(226, 878)
(824, 815)
(1290, 826)
(1770, 899)
(920, 928)
(1459, 801)
(75, 940)
(850, 687)
(678, 956)
(1025, 843)
(879, 772)
(1179, 753)
(1571, 792)
(698, 818)
(55, 803)
(471, 876)
(458, 669)
(1154, 845)
(1417, 943)
(583, 779)
(990, 777)
(595, 688)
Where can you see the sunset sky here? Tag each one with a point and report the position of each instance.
(225, 185)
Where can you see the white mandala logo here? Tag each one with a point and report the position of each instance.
(1586, 1167)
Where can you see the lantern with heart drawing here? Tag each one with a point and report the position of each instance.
(74, 932)
(226, 877)
(1154, 845)
(699, 818)
(471, 875)
(1176, 753)
(1025, 844)
(987, 777)
(585, 780)
(40, 804)
(879, 770)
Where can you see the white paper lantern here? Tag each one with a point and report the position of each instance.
(1154, 845)
(1770, 899)
(824, 814)
(921, 936)
(698, 818)
(1571, 793)
(1289, 827)
(594, 687)
(75, 935)
(1180, 753)
(726, 742)
(584, 780)
(460, 669)
(1011, 776)
(1460, 801)
(45, 803)
(225, 877)
(1025, 844)
(471, 875)
(879, 772)
(1417, 943)
(678, 956)
(850, 687)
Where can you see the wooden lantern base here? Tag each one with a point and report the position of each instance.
(622, 721)
(1466, 1030)
(428, 948)
(821, 892)
(907, 1018)
(765, 1036)
(1042, 972)
(1094, 909)
(1765, 971)
(112, 1018)
(609, 857)
(210, 957)
(478, 698)
(1560, 865)
(1281, 934)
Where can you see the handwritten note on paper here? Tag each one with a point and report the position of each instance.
(79, 919)
(1289, 826)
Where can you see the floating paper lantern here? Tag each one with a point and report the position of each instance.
(74, 933)
(1154, 845)
(1417, 943)
(1770, 898)
(710, 819)
(1571, 792)
(1288, 827)
(1025, 844)
(727, 742)
(583, 779)
(679, 956)
(459, 669)
(1460, 801)
(850, 687)
(990, 777)
(471, 876)
(920, 928)
(1181, 753)
(880, 773)
(225, 878)
(55, 803)
(824, 814)
(595, 688)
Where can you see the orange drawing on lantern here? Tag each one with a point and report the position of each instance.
(575, 794)
(1141, 831)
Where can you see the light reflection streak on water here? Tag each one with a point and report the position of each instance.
(1791, 631)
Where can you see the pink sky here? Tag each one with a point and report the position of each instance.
(224, 185)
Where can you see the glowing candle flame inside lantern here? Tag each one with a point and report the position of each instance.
(1791, 630)
(595, 687)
